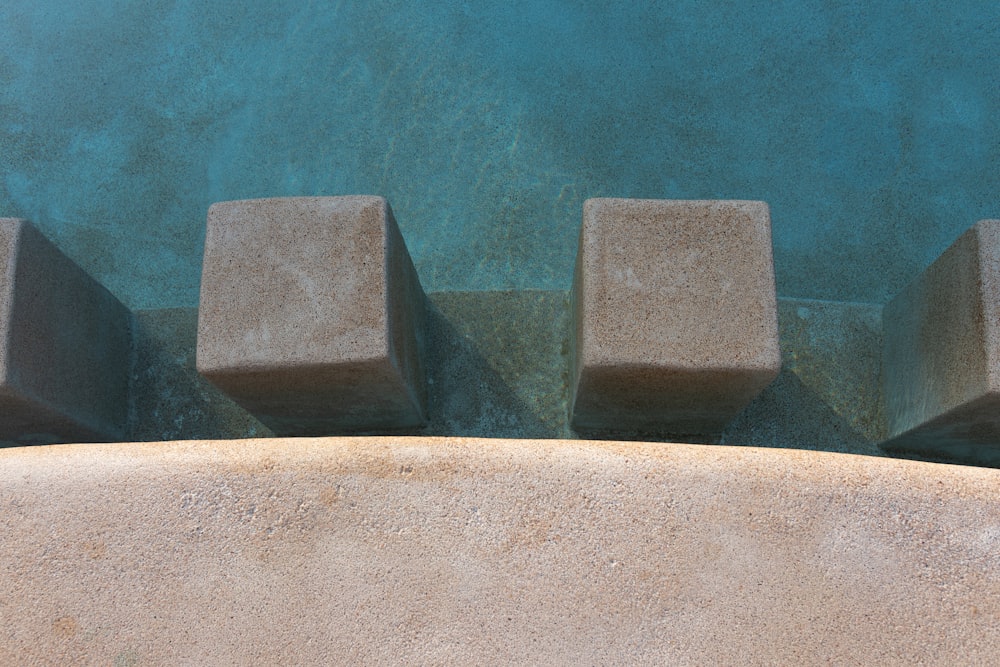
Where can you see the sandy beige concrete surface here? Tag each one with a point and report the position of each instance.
(311, 314)
(459, 551)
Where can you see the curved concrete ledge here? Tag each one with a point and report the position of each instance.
(448, 550)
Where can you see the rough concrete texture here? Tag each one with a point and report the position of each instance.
(675, 314)
(942, 353)
(432, 551)
(64, 345)
(311, 314)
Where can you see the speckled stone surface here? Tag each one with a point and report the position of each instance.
(942, 354)
(64, 345)
(430, 551)
(675, 314)
(311, 314)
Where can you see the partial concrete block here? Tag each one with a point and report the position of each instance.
(942, 354)
(311, 314)
(675, 314)
(64, 345)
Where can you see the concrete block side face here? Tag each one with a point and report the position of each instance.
(292, 281)
(28, 421)
(10, 233)
(351, 397)
(675, 314)
(934, 356)
(968, 433)
(68, 347)
(988, 234)
(577, 318)
(669, 402)
(406, 316)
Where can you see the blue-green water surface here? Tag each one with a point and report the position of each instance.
(872, 128)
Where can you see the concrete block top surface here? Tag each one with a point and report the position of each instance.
(452, 550)
(674, 283)
(294, 281)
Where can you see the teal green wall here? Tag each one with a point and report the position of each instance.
(872, 129)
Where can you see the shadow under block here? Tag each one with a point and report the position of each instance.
(64, 345)
(942, 354)
(675, 314)
(409, 550)
(311, 314)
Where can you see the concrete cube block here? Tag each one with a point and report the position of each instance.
(941, 356)
(675, 314)
(64, 345)
(311, 314)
